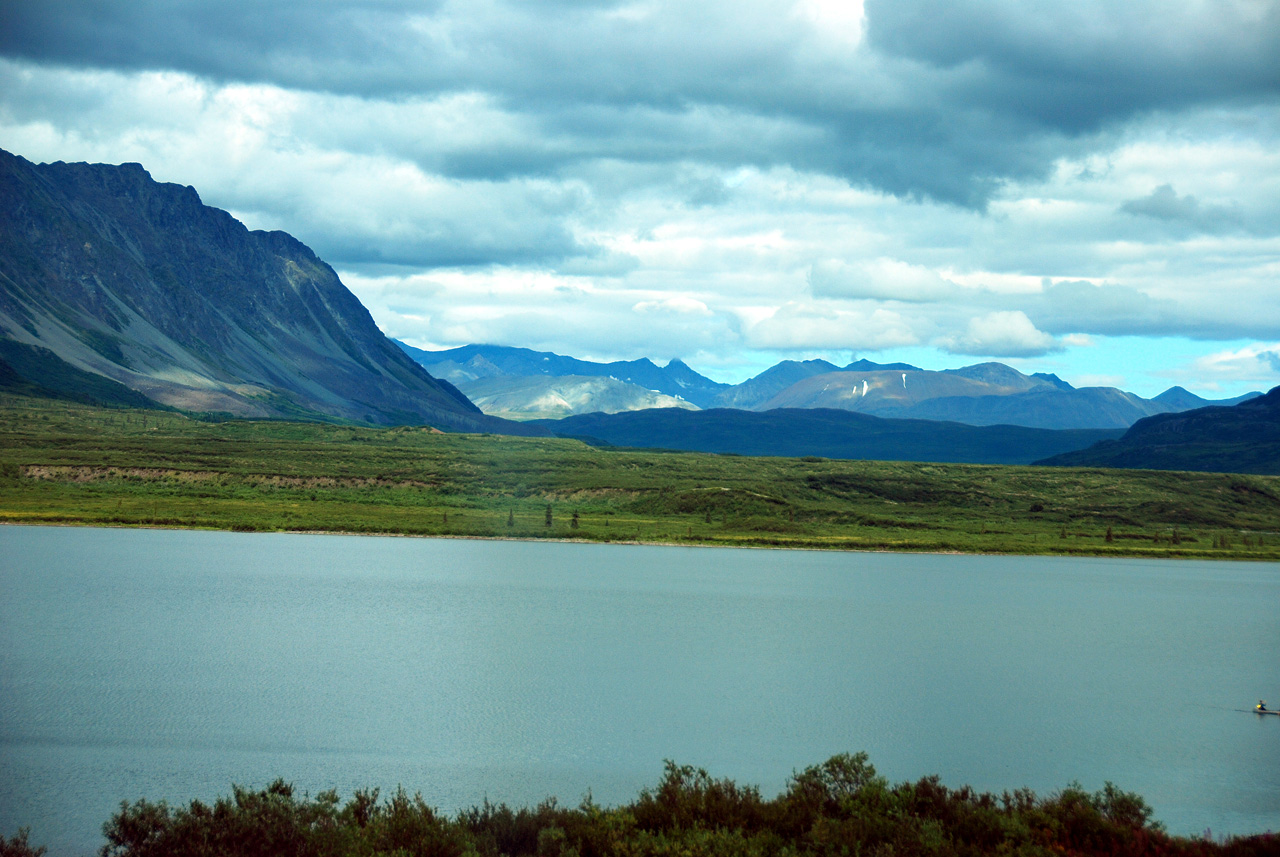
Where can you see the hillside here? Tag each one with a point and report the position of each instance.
(71, 463)
(140, 283)
(822, 432)
(1243, 438)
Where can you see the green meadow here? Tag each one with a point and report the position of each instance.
(64, 463)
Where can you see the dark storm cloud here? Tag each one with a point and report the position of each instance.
(1074, 66)
(945, 100)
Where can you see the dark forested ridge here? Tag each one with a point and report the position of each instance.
(140, 283)
(839, 808)
(1244, 438)
(823, 431)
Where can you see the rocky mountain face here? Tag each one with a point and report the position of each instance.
(140, 282)
(1243, 438)
(471, 363)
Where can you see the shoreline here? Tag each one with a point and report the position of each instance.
(1074, 554)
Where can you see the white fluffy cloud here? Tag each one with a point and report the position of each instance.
(1257, 366)
(1001, 334)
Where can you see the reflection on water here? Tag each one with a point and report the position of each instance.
(172, 664)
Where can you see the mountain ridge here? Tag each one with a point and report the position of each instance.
(139, 282)
(1241, 438)
(826, 432)
(981, 394)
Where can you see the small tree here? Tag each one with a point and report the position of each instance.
(548, 514)
(511, 518)
(1109, 537)
(573, 521)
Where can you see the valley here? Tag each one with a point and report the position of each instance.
(64, 463)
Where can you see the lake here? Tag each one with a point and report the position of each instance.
(170, 664)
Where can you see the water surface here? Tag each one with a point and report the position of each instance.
(169, 664)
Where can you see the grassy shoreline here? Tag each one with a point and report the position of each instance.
(78, 465)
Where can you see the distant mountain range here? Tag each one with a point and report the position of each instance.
(107, 274)
(470, 364)
(983, 394)
(1244, 438)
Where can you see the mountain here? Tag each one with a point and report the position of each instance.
(1243, 438)
(1179, 399)
(471, 362)
(822, 432)
(982, 394)
(522, 397)
(754, 392)
(139, 282)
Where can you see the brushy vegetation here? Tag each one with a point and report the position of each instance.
(839, 808)
(67, 463)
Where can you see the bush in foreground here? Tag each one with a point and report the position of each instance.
(837, 809)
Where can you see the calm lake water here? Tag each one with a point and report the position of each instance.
(169, 665)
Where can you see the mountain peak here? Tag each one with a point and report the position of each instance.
(140, 282)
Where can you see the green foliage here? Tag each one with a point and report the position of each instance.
(18, 845)
(67, 463)
(840, 807)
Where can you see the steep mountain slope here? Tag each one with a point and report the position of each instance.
(523, 397)
(1243, 438)
(825, 432)
(140, 282)
(28, 370)
(471, 362)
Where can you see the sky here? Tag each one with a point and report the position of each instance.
(1089, 188)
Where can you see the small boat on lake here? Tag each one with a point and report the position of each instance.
(1261, 708)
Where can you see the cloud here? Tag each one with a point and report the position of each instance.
(1078, 306)
(1001, 334)
(673, 306)
(883, 278)
(543, 311)
(919, 98)
(1113, 309)
(806, 327)
(1256, 365)
(1164, 204)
